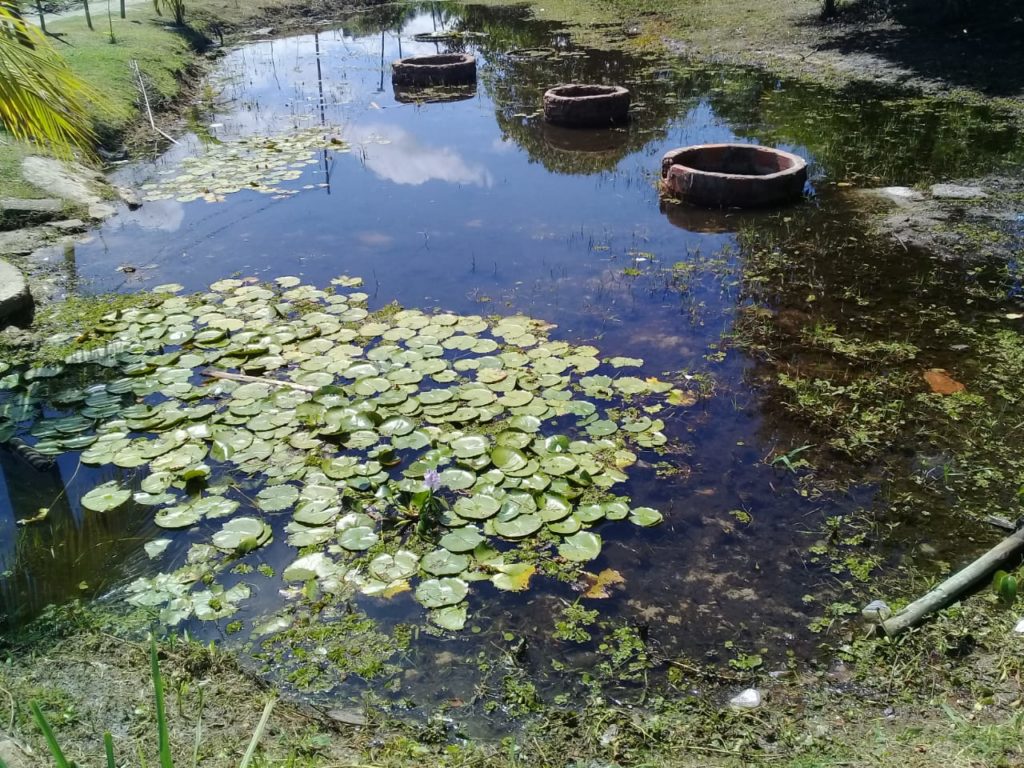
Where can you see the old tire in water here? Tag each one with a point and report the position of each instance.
(442, 69)
(586, 106)
(733, 175)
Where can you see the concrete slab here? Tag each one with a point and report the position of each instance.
(17, 212)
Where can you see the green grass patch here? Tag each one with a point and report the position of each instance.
(11, 182)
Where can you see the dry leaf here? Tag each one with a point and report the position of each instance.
(942, 383)
(681, 397)
(600, 583)
(395, 588)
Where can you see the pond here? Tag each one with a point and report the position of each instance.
(306, 163)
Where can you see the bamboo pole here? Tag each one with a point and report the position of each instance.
(952, 588)
(122, 9)
(145, 100)
(258, 380)
(42, 16)
(88, 16)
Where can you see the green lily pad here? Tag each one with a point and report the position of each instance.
(452, 617)
(478, 507)
(470, 446)
(241, 535)
(106, 497)
(508, 459)
(580, 547)
(442, 562)
(458, 479)
(358, 539)
(180, 516)
(389, 568)
(438, 593)
(602, 428)
(276, 498)
(558, 465)
(645, 516)
(464, 539)
(518, 527)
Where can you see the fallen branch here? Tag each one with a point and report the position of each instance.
(258, 380)
(956, 585)
(145, 100)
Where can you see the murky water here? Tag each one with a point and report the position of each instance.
(475, 205)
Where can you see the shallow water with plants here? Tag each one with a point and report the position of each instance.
(430, 401)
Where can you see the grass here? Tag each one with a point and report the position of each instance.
(910, 703)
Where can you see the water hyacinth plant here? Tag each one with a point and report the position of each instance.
(400, 451)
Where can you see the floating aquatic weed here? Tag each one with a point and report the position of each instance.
(251, 403)
(257, 163)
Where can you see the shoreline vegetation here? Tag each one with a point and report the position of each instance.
(948, 693)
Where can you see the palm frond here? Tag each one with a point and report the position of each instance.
(41, 99)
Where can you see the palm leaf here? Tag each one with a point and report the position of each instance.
(41, 99)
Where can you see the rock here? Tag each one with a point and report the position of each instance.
(957, 192)
(876, 611)
(748, 699)
(100, 211)
(68, 181)
(21, 242)
(16, 212)
(13, 336)
(1019, 628)
(69, 225)
(347, 716)
(898, 195)
(15, 298)
(130, 197)
(14, 756)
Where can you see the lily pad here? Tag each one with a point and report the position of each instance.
(580, 547)
(518, 527)
(452, 617)
(437, 593)
(106, 497)
(478, 507)
(389, 568)
(241, 535)
(276, 498)
(645, 516)
(358, 539)
(442, 562)
(514, 577)
(470, 446)
(464, 539)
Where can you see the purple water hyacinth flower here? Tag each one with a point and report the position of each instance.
(432, 480)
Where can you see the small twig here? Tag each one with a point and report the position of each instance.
(258, 380)
(145, 99)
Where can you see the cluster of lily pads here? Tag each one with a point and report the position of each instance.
(258, 163)
(398, 451)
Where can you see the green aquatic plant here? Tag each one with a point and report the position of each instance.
(499, 447)
(257, 163)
